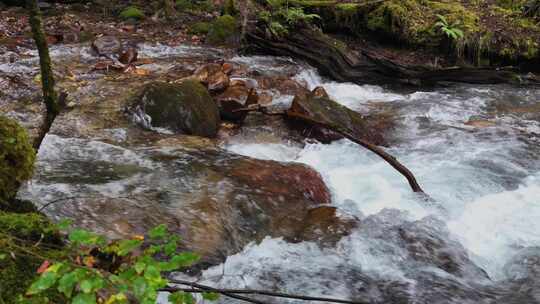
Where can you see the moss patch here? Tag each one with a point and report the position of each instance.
(19, 234)
(132, 12)
(222, 30)
(16, 158)
(199, 28)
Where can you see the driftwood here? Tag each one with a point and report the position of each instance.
(391, 160)
(333, 58)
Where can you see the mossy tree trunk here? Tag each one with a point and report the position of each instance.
(47, 78)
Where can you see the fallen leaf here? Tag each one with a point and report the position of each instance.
(43, 267)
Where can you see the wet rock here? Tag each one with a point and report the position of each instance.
(107, 45)
(284, 85)
(320, 92)
(227, 68)
(265, 98)
(213, 77)
(323, 226)
(186, 107)
(128, 56)
(332, 113)
(480, 123)
(234, 98)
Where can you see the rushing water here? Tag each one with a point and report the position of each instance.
(485, 181)
(474, 150)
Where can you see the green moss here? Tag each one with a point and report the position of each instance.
(25, 239)
(132, 12)
(222, 30)
(194, 6)
(229, 8)
(16, 158)
(199, 28)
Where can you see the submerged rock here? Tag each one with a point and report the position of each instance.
(186, 107)
(217, 201)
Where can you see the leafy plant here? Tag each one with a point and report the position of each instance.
(280, 17)
(114, 272)
(450, 30)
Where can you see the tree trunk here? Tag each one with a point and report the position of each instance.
(169, 9)
(47, 78)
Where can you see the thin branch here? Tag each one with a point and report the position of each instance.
(261, 292)
(212, 289)
(364, 143)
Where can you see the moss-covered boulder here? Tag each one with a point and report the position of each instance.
(223, 30)
(186, 107)
(17, 158)
(326, 111)
(25, 239)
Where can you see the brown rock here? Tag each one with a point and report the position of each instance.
(283, 85)
(212, 76)
(322, 225)
(265, 98)
(234, 98)
(128, 56)
(227, 68)
(320, 92)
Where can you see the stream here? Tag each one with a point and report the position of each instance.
(474, 149)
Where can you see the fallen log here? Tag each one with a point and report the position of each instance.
(333, 58)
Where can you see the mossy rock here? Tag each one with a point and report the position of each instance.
(132, 12)
(19, 234)
(17, 158)
(186, 107)
(223, 30)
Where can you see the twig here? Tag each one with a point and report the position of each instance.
(212, 289)
(261, 292)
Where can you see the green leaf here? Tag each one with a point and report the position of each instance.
(139, 267)
(67, 282)
(84, 298)
(158, 232)
(64, 224)
(210, 296)
(45, 281)
(170, 247)
(458, 32)
(139, 287)
(184, 259)
(2, 256)
(92, 284)
(181, 297)
(85, 237)
(127, 246)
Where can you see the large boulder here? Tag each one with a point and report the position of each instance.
(322, 109)
(186, 107)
